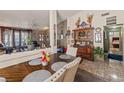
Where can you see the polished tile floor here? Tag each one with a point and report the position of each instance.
(85, 76)
(112, 71)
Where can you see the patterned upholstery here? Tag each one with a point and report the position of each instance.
(57, 77)
(71, 70)
(71, 51)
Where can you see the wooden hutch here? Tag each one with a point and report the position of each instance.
(83, 40)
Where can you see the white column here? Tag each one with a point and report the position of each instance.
(53, 30)
(122, 42)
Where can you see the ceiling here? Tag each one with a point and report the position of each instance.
(31, 18)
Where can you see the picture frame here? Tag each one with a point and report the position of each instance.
(98, 38)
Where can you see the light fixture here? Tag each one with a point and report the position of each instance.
(114, 76)
(46, 28)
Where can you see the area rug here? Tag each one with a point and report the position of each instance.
(65, 56)
(35, 62)
(58, 65)
(2, 79)
(37, 76)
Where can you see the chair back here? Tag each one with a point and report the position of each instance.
(71, 70)
(57, 77)
(71, 51)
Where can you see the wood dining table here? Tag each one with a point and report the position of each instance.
(16, 73)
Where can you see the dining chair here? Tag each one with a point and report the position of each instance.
(71, 69)
(71, 51)
(57, 77)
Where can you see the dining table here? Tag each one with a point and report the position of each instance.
(16, 73)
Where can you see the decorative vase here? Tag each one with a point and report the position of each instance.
(44, 63)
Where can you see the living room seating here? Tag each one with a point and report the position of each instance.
(1, 49)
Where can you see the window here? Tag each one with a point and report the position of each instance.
(111, 20)
(7, 38)
(16, 38)
(24, 36)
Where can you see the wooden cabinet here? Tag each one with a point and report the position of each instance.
(85, 52)
(83, 40)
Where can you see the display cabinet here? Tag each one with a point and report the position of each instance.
(83, 40)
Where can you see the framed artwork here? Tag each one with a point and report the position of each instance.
(72, 35)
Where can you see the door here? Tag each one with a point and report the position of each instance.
(106, 41)
(113, 39)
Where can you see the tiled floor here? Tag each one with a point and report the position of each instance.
(109, 71)
(84, 76)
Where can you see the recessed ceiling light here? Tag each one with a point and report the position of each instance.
(114, 76)
(45, 28)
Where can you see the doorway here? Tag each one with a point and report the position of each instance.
(113, 42)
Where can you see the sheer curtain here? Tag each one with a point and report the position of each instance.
(24, 36)
(16, 38)
(7, 38)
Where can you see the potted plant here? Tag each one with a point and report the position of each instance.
(99, 54)
(29, 42)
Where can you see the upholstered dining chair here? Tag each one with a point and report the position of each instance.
(57, 77)
(71, 51)
(67, 73)
(71, 69)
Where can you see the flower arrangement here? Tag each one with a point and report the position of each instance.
(45, 57)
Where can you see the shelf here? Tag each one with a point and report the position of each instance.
(84, 29)
(86, 39)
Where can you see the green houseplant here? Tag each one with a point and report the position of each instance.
(99, 54)
(29, 42)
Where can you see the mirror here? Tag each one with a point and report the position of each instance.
(98, 38)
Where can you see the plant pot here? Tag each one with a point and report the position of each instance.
(44, 63)
(30, 47)
(99, 58)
